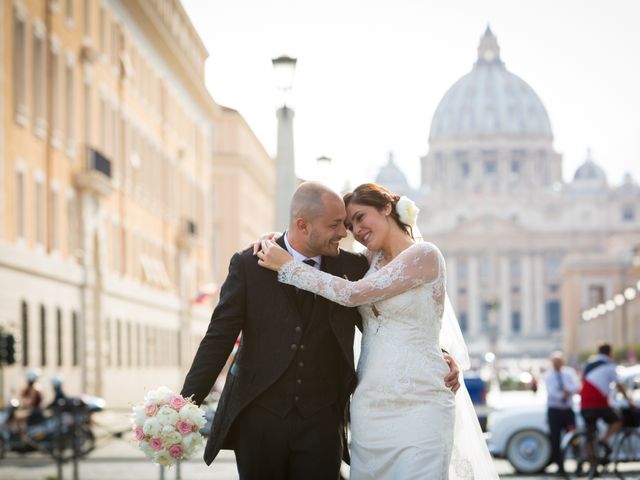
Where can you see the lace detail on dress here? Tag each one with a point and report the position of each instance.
(419, 264)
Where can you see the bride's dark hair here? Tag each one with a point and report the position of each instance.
(374, 195)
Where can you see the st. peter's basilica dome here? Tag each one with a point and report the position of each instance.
(490, 101)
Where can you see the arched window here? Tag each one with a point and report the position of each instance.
(118, 343)
(75, 344)
(25, 333)
(43, 336)
(59, 336)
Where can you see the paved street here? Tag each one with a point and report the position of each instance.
(119, 458)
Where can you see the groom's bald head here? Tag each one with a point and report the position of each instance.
(317, 220)
(309, 201)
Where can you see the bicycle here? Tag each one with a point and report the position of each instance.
(577, 449)
(626, 445)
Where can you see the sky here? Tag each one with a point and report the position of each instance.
(371, 73)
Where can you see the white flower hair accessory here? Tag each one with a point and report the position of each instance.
(407, 210)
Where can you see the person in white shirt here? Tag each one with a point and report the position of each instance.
(562, 383)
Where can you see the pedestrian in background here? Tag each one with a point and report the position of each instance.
(562, 383)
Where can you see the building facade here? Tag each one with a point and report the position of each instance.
(108, 210)
(493, 199)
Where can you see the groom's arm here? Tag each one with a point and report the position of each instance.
(226, 323)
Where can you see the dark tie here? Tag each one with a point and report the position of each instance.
(305, 298)
(561, 385)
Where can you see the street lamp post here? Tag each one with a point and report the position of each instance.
(284, 68)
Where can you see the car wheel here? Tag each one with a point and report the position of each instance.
(529, 451)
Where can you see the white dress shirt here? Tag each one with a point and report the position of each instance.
(557, 380)
(297, 255)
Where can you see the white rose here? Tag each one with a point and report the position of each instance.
(138, 417)
(192, 414)
(167, 415)
(151, 427)
(171, 438)
(160, 395)
(146, 449)
(163, 458)
(407, 210)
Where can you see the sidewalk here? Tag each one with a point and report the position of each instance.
(116, 459)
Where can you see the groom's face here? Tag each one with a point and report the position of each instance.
(327, 229)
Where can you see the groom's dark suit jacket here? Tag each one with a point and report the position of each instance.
(289, 357)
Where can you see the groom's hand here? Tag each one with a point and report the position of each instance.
(452, 380)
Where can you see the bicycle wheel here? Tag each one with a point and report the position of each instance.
(577, 459)
(626, 448)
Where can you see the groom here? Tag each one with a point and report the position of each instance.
(283, 405)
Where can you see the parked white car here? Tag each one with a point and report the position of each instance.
(521, 434)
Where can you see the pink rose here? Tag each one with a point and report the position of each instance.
(139, 433)
(184, 427)
(177, 402)
(176, 451)
(150, 409)
(156, 444)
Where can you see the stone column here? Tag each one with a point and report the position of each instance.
(474, 296)
(505, 296)
(538, 296)
(526, 293)
(285, 167)
(452, 281)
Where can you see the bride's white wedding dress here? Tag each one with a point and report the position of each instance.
(403, 417)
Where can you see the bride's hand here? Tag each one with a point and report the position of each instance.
(265, 236)
(272, 255)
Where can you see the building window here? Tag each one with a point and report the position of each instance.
(55, 96)
(55, 220)
(139, 345)
(39, 216)
(516, 325)
(553, 315)
(463, 319)
(118, 343)
(462, 270)
(20, 211)
(19, 67)
(595, 295)
(102, 32)
(75, 340)
(484, 269)
(87, 18)
(59, 336)
(69, 106)
(38, 82)
(68, 12)
(514, 268)
(43, 336)
(24, 324)
(628, 213)
(87, 114)
(515, 167)
(107, 342)
(490, 167)
(73, 233)
(553, 266)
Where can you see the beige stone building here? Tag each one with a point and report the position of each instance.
(122, 192)
(602, 296)
(492, 197)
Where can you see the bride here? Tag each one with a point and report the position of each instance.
(405, 423)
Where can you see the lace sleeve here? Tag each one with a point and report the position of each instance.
(418, 264)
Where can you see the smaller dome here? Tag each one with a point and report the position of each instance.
(589, 178)
(589, 171)
(391, 177)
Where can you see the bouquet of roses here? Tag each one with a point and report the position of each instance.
(167, 426)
